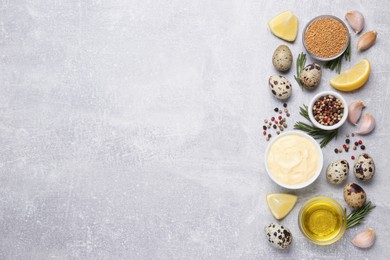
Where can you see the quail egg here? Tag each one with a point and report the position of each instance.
(278, 236)
(282, 58)
(354, 195)
(310, 76)
(364, 168)
(337, 171)
(280, 87)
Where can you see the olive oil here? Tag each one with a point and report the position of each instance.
(322, 220)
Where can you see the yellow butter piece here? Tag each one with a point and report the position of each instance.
(281, 204)
(284, 26)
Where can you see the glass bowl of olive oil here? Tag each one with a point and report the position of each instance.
(322, 220)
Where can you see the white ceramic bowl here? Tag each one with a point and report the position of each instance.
(309, 181)
(321, 58)
(325, 93)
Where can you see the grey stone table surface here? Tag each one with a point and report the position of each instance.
(132, 129)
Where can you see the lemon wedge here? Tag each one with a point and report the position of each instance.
(284, 26)
(281, 204)
(353, 78)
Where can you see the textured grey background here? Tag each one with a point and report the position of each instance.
(132, 129)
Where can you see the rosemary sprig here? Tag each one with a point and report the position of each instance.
(315, 132)
(356, 217)
(336, 63)
(301, 60)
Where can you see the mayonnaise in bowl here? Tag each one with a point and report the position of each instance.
(294, 160)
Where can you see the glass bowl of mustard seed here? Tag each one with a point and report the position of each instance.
(328, 110)
(322, 220)
(325, 37)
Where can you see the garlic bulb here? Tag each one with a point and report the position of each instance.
(364, 239)
(366, 40)
(368, 124)
(355, 111)
(355, 19)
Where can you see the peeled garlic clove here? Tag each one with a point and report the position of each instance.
(364, 239)
(366, 40)
(355, 111)
(355, 19)
(368, 124)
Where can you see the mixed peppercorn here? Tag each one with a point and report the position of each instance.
(277, 123)
(328, 110)
(346, 146)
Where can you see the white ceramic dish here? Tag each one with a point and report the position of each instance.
(321, 58)
(325, 93)
(309, 181)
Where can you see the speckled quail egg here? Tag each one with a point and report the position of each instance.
(364, 168)
(278, 236)
(280, 87)
(310, 76)
(354, 195)
(337, 171)
(282, 58)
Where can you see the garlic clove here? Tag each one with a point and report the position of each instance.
(355, 111)
(366, 40)
(355, 19)
(368, 124)
(364, 239)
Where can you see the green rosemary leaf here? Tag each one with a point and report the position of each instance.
(336, 63)
(301, 61)
(356, 217)
(315, 132)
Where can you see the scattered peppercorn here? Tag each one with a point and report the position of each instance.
(276, 109)
(362, 147)
(264, 127)
(280, 117)
(353, 157)
(272, 118)
(340, 150)
(267, 139)
(354, 147)
(336, 150)
(278, 132)
(347, 141)
(356, 143)
(285, 125)
(264, 133)
(288, 114)
(280, 111)
(269, 135)
(284, 104)
(360, 141)
(353, 134)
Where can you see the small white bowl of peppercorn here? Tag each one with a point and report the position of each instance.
(328, 110)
